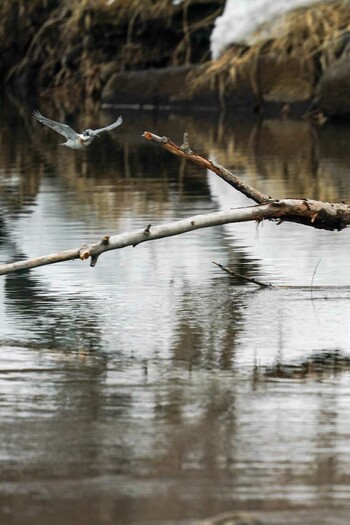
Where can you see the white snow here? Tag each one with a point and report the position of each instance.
(241, 18)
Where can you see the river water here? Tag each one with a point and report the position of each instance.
(155, 388)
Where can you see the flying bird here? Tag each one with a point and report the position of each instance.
(75, 140)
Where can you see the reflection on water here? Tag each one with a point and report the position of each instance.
(155, 388)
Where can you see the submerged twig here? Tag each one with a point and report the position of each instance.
(248, 279)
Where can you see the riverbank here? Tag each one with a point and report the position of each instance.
(70, 50)
(144, 54)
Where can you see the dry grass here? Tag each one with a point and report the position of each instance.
(71, 46)
(315, 36)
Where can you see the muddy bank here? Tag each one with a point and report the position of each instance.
(172, 88)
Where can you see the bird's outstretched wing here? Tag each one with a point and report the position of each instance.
(63, 129)
(108, 128)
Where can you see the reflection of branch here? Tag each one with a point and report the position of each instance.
(318, 365)
(249, 279)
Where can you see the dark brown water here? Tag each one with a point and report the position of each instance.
(154, 388)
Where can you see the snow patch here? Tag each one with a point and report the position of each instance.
(241, 18)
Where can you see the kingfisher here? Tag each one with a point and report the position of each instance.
(75, 140)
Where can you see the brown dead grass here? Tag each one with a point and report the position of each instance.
(71, 46)
(315, 36)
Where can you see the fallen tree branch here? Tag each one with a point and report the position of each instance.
(278, 210)
(149, 233)
(322, 215)
(318, 214)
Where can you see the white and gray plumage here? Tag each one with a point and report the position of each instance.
(75, 140)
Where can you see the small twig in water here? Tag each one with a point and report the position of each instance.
(313, 275)
(249, 279)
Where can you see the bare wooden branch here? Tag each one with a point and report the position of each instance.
(149, 233)
(185, 152)
(312, 213)
(322, 215)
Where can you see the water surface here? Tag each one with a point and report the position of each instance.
(155, 388)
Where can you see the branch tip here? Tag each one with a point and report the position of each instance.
(93, 261)
(147, 230)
